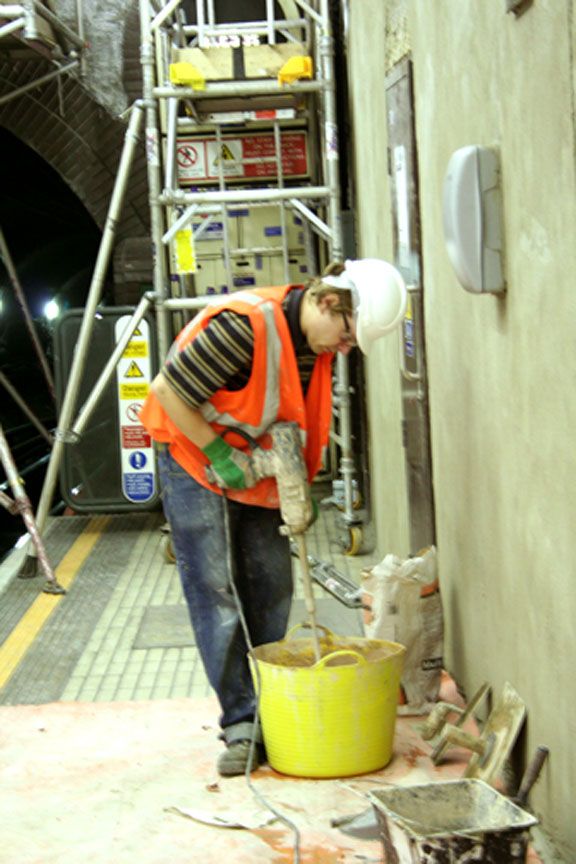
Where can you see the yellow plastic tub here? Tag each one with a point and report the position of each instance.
(331, 718)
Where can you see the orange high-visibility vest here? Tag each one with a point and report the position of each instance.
(273, 393)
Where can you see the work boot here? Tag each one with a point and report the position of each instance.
(234, 760)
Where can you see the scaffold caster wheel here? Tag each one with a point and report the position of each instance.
(169, 555)
(352, 547)
(356, 504)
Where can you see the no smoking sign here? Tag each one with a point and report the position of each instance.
(133, 412)
(191, 159)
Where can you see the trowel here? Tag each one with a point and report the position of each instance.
(492, 748)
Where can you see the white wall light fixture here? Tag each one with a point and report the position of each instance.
(472, 219)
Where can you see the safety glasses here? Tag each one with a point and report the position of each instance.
(348, 338)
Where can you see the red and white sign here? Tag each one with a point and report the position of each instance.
(191, 159)
(133, 412)
(246, 157)
(135, 437)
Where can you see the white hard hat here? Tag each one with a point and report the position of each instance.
(379, 297)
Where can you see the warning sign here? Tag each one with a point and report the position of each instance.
(133, 391)
(262, 149)
(134, 437)
(191, 159)
(227, 155)
(133, 375)
(187, 156)
(248, 157)
(132, 412)
(136, 348)
(133, 371)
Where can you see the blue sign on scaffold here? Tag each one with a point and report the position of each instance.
(137, 459)
(138, 487)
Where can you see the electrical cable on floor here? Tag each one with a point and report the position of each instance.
(257, 794)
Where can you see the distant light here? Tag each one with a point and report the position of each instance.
(51, 310)
(22, 540)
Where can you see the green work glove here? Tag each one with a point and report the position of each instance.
(229, 467)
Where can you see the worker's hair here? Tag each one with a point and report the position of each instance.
(317, 289)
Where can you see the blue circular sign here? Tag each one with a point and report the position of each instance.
(138, 459)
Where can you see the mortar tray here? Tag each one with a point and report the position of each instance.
(446, 822)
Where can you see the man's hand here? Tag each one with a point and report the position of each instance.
(229, 467)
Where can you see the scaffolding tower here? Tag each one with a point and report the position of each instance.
(260, 127)
(243, 168)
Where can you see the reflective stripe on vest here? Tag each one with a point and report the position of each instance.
(312, 412)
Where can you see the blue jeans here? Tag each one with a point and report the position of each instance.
(262, 572)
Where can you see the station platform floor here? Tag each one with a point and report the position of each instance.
(109, 729)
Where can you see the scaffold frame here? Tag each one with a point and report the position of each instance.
(318, 204)
(314, 22)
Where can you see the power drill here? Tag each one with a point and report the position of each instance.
(284, 461)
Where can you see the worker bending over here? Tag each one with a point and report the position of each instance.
(246, 361)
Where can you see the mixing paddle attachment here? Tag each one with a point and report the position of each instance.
(308, 595)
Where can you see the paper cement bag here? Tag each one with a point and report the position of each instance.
(404, 598)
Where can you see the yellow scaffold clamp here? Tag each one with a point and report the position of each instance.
(294, 69)
(187, 75)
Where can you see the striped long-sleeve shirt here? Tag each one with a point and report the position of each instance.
(221, 355)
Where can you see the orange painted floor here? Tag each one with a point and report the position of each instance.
(112, 783)
(108, 727)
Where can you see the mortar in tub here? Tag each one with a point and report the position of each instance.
(334, 717)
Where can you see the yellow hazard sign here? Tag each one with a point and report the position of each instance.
(133, 371)
(226, 154)
(136, 349)
(134, 391)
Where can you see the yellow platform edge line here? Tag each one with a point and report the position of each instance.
(23, 635)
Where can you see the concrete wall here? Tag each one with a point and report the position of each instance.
(372, 212)
(501, 369)
(104, 23)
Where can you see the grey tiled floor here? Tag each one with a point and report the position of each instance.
(111, 663)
